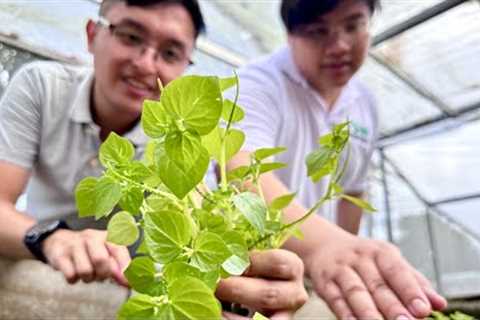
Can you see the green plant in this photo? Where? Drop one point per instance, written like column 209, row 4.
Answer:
column 194, row 236
column 457, row 315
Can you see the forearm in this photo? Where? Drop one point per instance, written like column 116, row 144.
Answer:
column 12, row 230
column 349, row 215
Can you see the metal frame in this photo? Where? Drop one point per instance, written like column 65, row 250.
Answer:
column 416, row 20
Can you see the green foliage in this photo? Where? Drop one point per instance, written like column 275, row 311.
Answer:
column 194, row 236
column 457, row 315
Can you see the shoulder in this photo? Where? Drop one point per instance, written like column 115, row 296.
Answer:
column 265, row 71
column 52, row 72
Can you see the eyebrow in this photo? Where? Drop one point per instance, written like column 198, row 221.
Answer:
column 140, row 27
column 355, row 16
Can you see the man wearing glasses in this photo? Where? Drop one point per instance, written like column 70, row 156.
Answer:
column 290, row 99
column 53, row 118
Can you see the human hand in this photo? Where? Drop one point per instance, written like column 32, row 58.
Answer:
column 86, row 255
column 369, row 279
column 273, row 285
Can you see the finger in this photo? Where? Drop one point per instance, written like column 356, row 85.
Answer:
column 282, row 315
column 121, row 260
column 275, row 264
column 232, row 316
column 356, row 294
column 385, row 299
column 336, row 302
column 65, row 265
column 437, row 301
column 259, row 293
column 82, row 264
column 398, row 274
column 100, row 259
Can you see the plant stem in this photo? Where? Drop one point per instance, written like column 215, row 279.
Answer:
column 149, row 189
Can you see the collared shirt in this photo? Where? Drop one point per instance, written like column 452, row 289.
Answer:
column 46, row 126
column 282, row 109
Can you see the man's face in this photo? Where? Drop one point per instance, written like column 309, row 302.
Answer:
column 140, row 45
column 329, row 51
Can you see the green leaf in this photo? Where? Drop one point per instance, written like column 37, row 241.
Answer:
column 227, row 83
column 141, row 275
column 319, row 163
column 259, row 316
column 182, row 164
column 267, row 167
column 177, row 270
column 182, row 148
column 235, row 265
column 132, row 200
column 194, row 102
column 264, row 153
column 155, row 121
column 359, row 202
column 238, row 173
column 213, row 143
column 253, row 208
column 282, row 202
column 122, row 229
column 233, row 142
column 166, row 234
column 190, row 298
column 116, row 150
column 97, row 197
column 209, row 251
column 210, row 222
column 139, row 306
column 107, row 194
column 84, row 197
column 238, row 114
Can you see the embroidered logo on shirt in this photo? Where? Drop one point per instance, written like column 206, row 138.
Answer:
column 359, row 131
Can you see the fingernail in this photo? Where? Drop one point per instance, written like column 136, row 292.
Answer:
column 402, row 317
column 420, row 307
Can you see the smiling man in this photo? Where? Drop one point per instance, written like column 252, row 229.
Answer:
column 53, row 118
column 291, row 98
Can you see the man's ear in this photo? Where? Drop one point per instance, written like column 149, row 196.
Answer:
column 91, row 33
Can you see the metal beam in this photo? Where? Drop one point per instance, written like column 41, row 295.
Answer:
column 386, row 197
column 466, row 114
column 431, row 232
column 456, row 199
column 416, row 20
column 415, row 86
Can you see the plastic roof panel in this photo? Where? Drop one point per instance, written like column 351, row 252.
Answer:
column 398, row 104
column 442, row 54
column 442, row 166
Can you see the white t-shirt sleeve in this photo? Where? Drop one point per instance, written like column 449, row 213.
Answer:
column 20, row 119
column 262, row 116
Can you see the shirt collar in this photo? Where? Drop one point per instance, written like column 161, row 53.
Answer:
column 81, row 112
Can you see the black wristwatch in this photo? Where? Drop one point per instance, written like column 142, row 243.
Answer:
column 38, row 233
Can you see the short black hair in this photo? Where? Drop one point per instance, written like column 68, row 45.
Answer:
column 296, row 13
column 191, row 6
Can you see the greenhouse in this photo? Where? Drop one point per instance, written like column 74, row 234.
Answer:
column 422, row 68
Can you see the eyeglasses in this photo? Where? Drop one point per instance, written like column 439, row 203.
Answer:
column 138, row 43
column 324, row 33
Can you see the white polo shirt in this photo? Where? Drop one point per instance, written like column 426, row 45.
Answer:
column 283, row 110
column 46, row 126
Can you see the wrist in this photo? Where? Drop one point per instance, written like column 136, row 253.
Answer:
column 36, row 236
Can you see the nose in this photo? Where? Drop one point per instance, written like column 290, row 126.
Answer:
column 146, row 61
column 339, row 43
